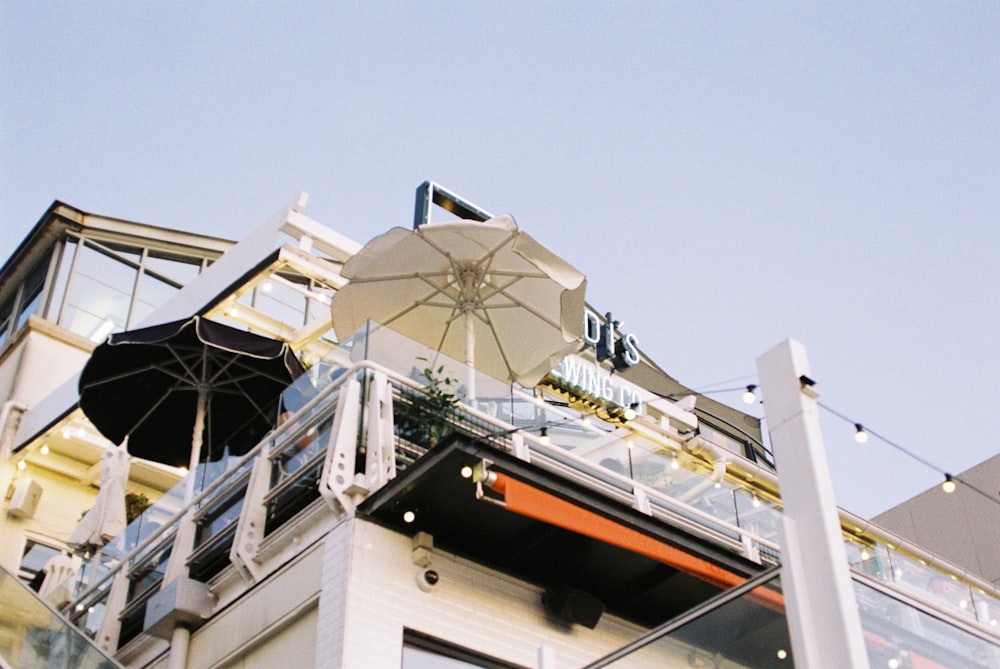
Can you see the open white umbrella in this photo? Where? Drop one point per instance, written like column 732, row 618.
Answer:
column 484, row 292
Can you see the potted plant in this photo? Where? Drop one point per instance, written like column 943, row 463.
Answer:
column 424, row 417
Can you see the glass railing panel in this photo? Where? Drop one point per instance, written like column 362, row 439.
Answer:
column 929, row 584
column 748, row 630
column 900, row 635
column 34, row 636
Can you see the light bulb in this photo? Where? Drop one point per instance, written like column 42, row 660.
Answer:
column 749, row 396
column 756, row 501
column 466, row 472
column 674, row 464
column 21, row 465
column 860, row 435
column 409, row 516
column 543, row 437
column 631, row 412
column 44, row 449
column 782, row 653
column 266, row 286
column 949, row 484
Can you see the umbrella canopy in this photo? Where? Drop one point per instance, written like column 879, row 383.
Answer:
column 183, row 391
column 484, row 292
column 106, row 518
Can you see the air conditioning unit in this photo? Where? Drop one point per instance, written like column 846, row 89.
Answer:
column 24, row 500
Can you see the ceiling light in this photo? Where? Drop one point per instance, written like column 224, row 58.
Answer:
column 266, row 286
column 409, row 516
column 749, row 396
column 949, row 484
column 466, row 472
column 21, row 465
column 860, row 435
column 782, row 653
column 44, row 450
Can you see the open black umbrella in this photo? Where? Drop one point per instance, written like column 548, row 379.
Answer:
column 184, row 391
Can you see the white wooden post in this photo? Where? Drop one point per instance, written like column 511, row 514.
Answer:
column 822, row 611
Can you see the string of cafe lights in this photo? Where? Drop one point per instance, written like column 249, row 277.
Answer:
column 861, row 436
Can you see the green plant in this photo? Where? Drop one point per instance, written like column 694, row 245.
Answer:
column 425, row 416
column 135, row 504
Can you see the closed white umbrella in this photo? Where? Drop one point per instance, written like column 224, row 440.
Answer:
column 483, row 292
column 106, row 518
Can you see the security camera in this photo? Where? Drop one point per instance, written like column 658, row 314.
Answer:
column 427, row 579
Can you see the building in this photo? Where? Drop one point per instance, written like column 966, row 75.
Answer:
column 591, row 519
column 961, row 527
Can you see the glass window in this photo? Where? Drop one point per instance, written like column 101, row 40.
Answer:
column 421, row 652
column 99, row 295
column 33, row 560
column 58, row 289
column 151, row 294
column 31, row 293
column 6, row 316
column 179, row 269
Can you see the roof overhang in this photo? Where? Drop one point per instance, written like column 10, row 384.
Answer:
column 631, row 585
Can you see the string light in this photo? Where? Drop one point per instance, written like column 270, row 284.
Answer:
column 409, row 516
column 949, row 484
column 749, row 396
column 860, row 435
column 466, row 472
column 543, row 436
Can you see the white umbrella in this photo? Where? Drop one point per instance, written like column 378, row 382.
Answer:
column 484, row 292
column 106, row 518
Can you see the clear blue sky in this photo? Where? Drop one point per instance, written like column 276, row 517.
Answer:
column 727, row 175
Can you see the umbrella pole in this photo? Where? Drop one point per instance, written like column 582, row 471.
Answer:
column 196, row 441
column 470, row 355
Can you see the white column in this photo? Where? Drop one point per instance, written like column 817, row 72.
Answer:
column 822, row 612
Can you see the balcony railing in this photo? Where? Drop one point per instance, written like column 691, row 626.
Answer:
column 348, row 436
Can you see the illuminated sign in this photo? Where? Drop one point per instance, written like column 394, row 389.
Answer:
column 587, row 383
column 623, row 351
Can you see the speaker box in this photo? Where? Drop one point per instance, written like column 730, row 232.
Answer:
column 24, row 499
column 573, row 606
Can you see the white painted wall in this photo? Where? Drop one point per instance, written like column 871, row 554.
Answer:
column 370, row 595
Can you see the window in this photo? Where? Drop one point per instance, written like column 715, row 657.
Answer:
column 33, row 560
column 26, row 301
column 424, row 652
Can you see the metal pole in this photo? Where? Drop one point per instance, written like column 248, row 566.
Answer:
column 822, row 612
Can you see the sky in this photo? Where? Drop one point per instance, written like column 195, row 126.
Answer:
column 728, row 175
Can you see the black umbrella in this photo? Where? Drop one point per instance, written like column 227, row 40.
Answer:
column 183, row 391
